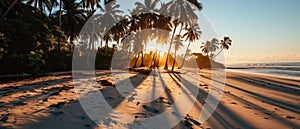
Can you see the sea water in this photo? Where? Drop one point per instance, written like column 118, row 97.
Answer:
column 281, row 69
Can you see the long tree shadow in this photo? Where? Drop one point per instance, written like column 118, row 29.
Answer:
column 287, row 106
column 221, row 111
column 265, row 99
column 9, row 90
column 48, row 92
column 268, row 85
column 70, row 115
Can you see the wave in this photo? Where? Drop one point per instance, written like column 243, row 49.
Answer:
column 284, row 69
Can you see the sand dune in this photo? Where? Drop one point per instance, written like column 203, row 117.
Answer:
column 247, row 101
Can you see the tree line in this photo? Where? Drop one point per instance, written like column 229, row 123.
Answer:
column 40, row 35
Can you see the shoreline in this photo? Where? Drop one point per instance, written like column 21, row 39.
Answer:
column 263, row 74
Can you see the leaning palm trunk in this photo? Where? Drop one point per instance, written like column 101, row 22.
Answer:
column 153, row 60
column 9, row 8
column 142, row 64
column 174, row 61
column 184, row 56
column 60, row 13
column 166, row 64
column 218, row 53
column 35, row 4
column 136, row 60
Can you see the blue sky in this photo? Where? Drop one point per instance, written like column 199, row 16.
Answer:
column 262, row 30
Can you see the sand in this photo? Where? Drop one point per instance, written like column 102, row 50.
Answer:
column 247, row 101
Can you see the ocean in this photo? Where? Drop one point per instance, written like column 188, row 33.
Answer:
column 282, row 69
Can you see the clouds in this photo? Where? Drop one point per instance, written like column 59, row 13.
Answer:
column 249, row 58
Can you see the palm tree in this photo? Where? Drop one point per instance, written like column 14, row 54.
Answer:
column 180, row 10
column 41, row 4
column 149, row 6
column 60, row 13
column 192, row 34
column 209, row 47
column 109, row 18
column 120, row 30
column 73, row 18
column 54, row 4
column 177, row 44
column 10, row 7
column 176, row 24
column 91, row 4
column 225, row 44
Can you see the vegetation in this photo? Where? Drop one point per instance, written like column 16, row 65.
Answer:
column 40, row 35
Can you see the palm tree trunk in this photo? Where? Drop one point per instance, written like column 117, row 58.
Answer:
column 142, row 64
column 219, row 53
column 136, row 59
column 174, row 60
column 60, row 13
column 106, row 45
column 101, row 43
column 184, row 55
column 50, row 11
column 9, row 8
column 152, row 63
column 157, row 60
column 166, row 64
column 35, row 4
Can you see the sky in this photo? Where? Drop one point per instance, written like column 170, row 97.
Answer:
column 261, row 30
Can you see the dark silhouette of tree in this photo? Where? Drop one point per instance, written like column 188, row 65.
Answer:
column 108, row 19
column 41, row 4
column 177, row 44
column 209, row 47
column 225, row 44
column 90, row 4
column 192, row 34
column 73, row 18
column 183, row 14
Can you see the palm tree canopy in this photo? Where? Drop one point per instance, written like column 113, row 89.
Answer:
column 210, row 46
column 41, row 4
column 226, row 43
column 91, row 4
column 180, row 9
column 109, row 17
column 73, row 18
column 193, row 33
column 149, row 6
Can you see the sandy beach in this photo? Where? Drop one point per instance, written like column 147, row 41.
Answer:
column 247, row 101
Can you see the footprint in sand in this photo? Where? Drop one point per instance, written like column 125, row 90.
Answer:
column 268, row 113
column 289, row 117
column 57, row 113
column 150, row 109
column 19, row 103
column 58, row 104
column 108, row 98
column 233, row 103
column 247, row 107
column 4, row 117
column 140, row 115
